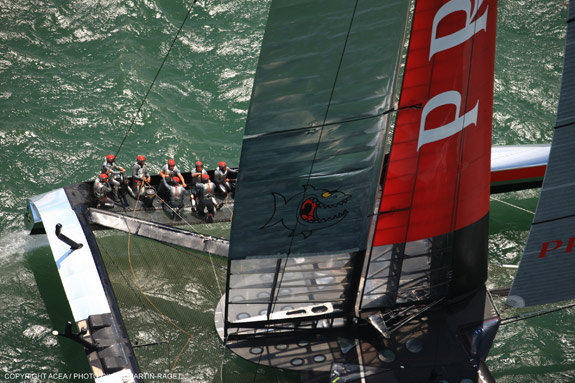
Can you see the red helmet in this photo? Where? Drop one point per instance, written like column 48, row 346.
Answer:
column 176, row 180
column 198, row 163
column 205, row 177
column 171, row 162
column 110, row 158
column 103, row 177
column 141, row 159
column 222, row 164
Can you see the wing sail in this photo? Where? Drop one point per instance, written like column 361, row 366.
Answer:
column 312, row 157
column 430, row 238
column 305, row 289
column 545, row 273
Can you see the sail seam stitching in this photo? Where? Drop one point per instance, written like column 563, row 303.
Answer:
column 389, row 111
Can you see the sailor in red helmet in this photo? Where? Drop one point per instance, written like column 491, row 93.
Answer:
column 115, row 175
column 175, row 201
column 140, row 174
column 170, row 170
column 206, row 200
column 221, row 178
column 101, row 190
column 197, row 173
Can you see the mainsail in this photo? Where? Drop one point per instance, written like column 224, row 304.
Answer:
column 312, row 155
column 435, row 201
column 545, row 272
column 318, row 245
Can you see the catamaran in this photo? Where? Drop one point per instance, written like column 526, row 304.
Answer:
column 358, row 245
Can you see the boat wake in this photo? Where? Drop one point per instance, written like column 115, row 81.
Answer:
column 13, row 245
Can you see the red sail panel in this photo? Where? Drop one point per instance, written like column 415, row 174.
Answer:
column 438, row 174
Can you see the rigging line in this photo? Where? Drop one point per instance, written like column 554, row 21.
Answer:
column 162, row 201
column 512, row 205
column 175, row 212
column 137, row 282
column 257, row 369
column 146, row 296
column 192, row 229
column 222, row 368
column 534, row 314
column 129, row 130
column 140, row 287
column 130, row 286
column 215, row 274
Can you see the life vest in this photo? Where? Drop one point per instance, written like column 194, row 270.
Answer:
column 139, row 172
column 176, row 195
column 220, row 176
column 100, row 190
column 208, row 190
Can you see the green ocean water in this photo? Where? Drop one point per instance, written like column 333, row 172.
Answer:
column 72, row 77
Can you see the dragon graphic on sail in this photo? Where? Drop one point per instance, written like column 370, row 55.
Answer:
column 308, row 211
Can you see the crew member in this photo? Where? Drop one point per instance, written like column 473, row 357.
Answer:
column 221, row 178
column 176, row 193
column 206, row 200
column 115, row 175
column 140, row 174
column 101, row 190
column 168, row 172
column 198, row 172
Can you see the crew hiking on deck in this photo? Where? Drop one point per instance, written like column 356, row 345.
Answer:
column 140, row 175
column 206, row 200
column 116, row 176
column 171, row 192
column 221, row 178
column 101, row 190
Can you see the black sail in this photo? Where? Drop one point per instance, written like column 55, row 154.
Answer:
column 312, row 156
column 545, row 273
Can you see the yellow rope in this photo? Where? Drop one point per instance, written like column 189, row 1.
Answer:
column 139, row 286
column 137, row 282
column 134, row 273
